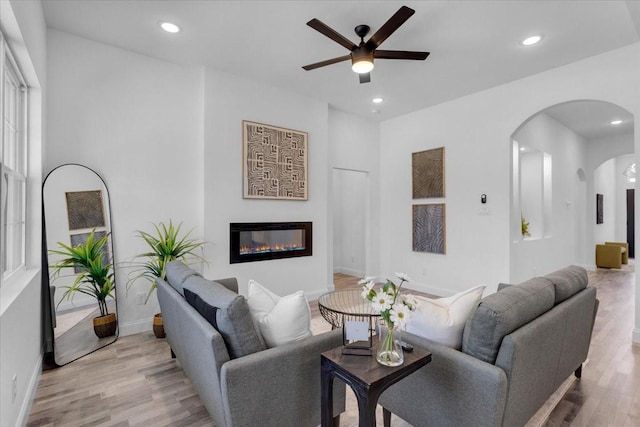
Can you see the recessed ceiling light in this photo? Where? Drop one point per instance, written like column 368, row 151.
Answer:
column 522, row 149
column 616, row 122
column 531, row 40
column 169, row 27
column 377, row 100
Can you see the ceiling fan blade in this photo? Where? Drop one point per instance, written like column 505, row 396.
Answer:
column 331, row 33
column 389, row 27
column 327, row 62
column 400, row 54
column 365, row 77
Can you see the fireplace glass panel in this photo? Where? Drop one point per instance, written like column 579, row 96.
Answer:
column 255, row 242
column 262, row 241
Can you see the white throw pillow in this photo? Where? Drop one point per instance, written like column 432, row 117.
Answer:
column 280, row 319
column 442, row 319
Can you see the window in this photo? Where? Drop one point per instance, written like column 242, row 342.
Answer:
column 13, row 161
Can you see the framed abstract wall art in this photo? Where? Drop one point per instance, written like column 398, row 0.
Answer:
column 429, row 228
column 274, row 162
column 427, row 169
column 599, row 209
column 85, row 209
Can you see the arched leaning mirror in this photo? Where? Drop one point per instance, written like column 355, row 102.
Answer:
column 79, row 256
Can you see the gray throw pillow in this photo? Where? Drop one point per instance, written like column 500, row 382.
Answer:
column 568, row 281
column 232, row 317
column 177, row 272
column 503, row 312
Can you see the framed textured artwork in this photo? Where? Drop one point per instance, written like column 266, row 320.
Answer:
column 85, row 209
column 427, row 168
column 274, row 162
column 429, row 228
column 599, row 209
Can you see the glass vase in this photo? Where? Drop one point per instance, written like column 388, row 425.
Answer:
column 389, row 345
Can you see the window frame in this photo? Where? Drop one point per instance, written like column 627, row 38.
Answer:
column 11, row 169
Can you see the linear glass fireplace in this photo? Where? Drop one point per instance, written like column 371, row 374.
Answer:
column 261, row 241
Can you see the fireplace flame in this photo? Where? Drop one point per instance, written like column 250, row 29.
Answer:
column 248, row 250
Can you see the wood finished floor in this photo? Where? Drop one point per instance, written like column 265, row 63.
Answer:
column 134, row 382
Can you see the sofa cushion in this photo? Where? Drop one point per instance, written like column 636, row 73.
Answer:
column 442, row 319
column 281, row 319
column 228, row 312
column 177, row 272
column 503, row 312
column 568, row 281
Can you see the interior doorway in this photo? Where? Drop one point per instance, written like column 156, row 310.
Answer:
column 631, row 227
column 351, row 219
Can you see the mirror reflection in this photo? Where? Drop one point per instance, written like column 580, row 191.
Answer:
column 80, row 262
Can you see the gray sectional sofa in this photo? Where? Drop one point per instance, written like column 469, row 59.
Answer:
column 240, row 381
column 519, row 345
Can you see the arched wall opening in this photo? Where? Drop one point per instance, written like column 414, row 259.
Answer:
column 554, row 157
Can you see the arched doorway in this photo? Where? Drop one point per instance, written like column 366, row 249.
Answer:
column 554, row 154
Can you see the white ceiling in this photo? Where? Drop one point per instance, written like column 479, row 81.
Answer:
column 474, row 45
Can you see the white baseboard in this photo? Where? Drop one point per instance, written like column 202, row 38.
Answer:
column 136, row 327
column 349, row 271
column 635, row 336
column 30, row 395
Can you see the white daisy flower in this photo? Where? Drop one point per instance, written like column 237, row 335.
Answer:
column 382, row 301
column 403, row 276
column 366, row 289
column 410, row 301
column 366, row 280
column 400, row 315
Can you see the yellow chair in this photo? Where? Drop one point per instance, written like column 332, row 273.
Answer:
column 612, row 254
column 625, row 250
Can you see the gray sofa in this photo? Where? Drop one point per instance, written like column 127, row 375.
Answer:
column 240, row 381
column 519, row 345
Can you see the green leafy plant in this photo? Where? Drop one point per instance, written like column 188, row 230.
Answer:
column 166, row 244
column 525, row 227
column 94, row 275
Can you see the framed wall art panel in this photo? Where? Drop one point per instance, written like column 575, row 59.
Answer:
column 599, row 209
column 429, row 228
column 85, row 209
column 274, row 162
column 427, row 169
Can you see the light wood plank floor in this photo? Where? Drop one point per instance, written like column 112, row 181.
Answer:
column 134, row 382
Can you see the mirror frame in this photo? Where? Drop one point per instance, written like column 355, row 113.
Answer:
column 48, row 304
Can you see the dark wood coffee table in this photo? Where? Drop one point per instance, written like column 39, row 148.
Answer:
column 367, row 378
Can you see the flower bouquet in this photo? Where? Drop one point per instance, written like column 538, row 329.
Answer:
column 395, row 312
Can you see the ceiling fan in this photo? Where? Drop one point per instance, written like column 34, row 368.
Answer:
column 362, row 55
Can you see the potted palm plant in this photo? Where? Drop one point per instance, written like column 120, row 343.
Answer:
column 93, row 276
column 166, row 244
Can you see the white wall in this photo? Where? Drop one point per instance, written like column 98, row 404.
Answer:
column 598, row 152
column 476, row 131
column 605, row 183
column 557, row 243
column 21, row 341
column 137, row 122
column 228, row 100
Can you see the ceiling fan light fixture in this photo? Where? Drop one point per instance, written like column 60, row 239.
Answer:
column 361, row 61
column 362, row 66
